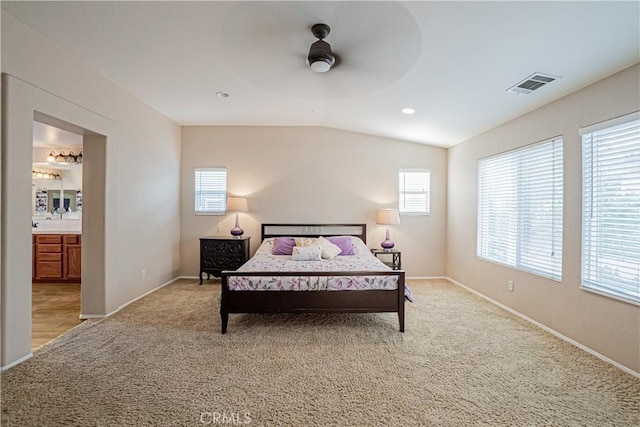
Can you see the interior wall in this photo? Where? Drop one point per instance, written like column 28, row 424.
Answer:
column 314, row 175
column 142, row 177
column 608, row 326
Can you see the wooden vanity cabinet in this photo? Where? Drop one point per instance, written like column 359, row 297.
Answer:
column 71, row 257
column 48, row 257
column 56, row 258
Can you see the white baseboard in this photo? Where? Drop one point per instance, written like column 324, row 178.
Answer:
column 548, row 329
column 92, row 316
column 17, row 362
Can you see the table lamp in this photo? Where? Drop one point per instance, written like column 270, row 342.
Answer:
column 237, row 204
column 388, row 217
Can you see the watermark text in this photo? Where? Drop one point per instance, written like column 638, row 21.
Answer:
column 225, row 418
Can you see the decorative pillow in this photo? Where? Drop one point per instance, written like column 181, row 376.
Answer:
column 283, row 245
column 344, row 243
column 306, row 253
column 329, row 250
column 306, row 241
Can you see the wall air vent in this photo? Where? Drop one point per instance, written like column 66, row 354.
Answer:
column 533, row 82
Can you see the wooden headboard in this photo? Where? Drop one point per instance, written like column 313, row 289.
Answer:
column 314, row 230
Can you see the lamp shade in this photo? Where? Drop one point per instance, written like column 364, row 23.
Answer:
column 237, row 204
column 388, row 217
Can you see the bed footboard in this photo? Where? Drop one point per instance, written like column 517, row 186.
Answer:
column 325, row 301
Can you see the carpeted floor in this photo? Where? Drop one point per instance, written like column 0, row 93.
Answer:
column 462, row 362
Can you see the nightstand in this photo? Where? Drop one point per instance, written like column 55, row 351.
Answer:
column 218, row 254
column 392, row 258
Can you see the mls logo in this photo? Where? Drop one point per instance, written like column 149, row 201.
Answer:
column 225, row 418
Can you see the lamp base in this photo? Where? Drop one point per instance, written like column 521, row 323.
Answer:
column 237, row 232
column 387, row 245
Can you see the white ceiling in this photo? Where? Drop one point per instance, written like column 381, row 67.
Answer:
column 450, row 61
column 45, row 135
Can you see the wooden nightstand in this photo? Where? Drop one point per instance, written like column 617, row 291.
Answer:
column 392, row 258
column 218, row 254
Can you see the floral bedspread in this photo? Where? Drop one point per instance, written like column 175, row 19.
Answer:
column 363, row 260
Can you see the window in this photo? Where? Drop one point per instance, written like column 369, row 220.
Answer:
column 211, row 191
column 414, row 192
column 520, row 208
column 611, row 208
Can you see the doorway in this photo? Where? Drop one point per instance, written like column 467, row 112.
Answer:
column 57, row 205
column 22, row 104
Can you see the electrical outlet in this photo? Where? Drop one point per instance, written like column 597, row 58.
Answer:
column 510, row 285
column 143, row 274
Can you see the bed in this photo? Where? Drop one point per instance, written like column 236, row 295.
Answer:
column 270, row 283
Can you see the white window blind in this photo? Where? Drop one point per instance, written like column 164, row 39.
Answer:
column 210, row 191
column 611, row 210
column 415, row 192
column 520, row 208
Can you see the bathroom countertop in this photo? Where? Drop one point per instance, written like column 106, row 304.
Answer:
column 50, row 231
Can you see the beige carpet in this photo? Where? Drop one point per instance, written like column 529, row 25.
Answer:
column 462, row 362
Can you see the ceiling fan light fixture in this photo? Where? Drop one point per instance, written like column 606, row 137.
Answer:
column 320, row 66
column 320, row 57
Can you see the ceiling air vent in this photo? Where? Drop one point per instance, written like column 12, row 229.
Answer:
column 531, row 83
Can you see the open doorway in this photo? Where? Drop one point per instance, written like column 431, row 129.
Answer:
column 22, row 103
column 57, row 204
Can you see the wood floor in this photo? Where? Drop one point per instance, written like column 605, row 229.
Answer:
column 55, row 310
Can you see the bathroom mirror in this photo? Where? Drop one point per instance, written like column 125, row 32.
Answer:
column 49, row 195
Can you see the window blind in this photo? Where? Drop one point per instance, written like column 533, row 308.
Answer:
column 611, row 210
column 210, row 191
column 520, row 197
column 415, row 188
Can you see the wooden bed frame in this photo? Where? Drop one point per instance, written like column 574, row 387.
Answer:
column 352, row 301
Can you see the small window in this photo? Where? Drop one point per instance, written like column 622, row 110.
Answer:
column 414, row 192
column 210, row 191
column 611, row 208
column 520, row 208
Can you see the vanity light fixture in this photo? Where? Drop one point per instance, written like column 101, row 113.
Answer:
column 69, row 159
column 408, row 110
column 39, row 174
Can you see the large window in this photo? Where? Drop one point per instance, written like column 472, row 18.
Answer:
column 611, row 208
column 414, row 191
column 520, row 208
column 210, row 191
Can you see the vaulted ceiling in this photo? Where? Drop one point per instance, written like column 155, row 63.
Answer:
column 452, row 62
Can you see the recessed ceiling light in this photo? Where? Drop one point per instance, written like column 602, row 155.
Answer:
column 222, row 94
column 408, row 110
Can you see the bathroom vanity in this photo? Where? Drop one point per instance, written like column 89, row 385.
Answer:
column 56, row 257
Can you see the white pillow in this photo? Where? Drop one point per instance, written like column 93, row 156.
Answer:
column 329, row 250
column 306, row 253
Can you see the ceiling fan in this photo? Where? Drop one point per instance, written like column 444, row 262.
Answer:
column 320, row 57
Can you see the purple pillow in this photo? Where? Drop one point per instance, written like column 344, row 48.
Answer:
column 343, row 243
column 283, row 245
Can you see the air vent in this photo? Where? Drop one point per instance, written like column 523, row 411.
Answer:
column 533, row 82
